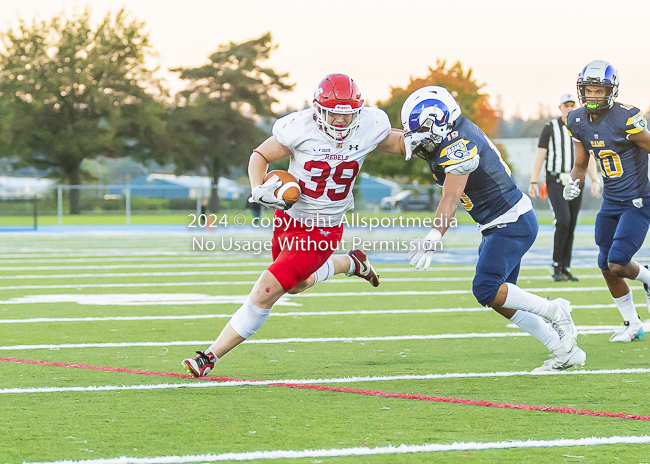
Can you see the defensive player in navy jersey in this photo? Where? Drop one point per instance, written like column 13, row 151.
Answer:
column 617, row 136
column 470, row 169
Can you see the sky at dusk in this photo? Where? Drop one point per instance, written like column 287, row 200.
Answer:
column 526, row 53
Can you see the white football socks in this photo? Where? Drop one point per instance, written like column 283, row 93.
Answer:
column 644, row 275
column 353, row 267
column 324, row 272
column 626, row 307
column 522, row 300
column 538, row 328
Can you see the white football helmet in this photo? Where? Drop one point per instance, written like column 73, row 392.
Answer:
column 428, row 116
column 602, row 74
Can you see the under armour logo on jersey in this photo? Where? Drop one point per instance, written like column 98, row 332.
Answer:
column 353, row 147
column 325, row 232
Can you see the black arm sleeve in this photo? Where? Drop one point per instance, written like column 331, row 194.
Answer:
column 545, row 137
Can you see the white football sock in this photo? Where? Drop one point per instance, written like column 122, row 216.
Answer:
column 248, row 318
column 353, row 267
column 324, row 272
column 626, row 307
column 538, row 328
column 644, row 275
column 522, row 300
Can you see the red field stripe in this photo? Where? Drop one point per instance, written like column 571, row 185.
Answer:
column 489, row 404
column 406, row 396
column 111, row 369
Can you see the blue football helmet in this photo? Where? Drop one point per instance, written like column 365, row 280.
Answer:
column 602, row 74
column 428, row 116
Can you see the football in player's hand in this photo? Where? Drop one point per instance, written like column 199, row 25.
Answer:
column 289, row 191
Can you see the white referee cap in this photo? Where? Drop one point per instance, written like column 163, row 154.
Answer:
column 568, row 97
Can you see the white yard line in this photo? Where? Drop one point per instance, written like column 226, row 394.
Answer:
column 144, row 299
column 257, row 272
column 588, row 330
column 132, row 266
column 335, row 380
column 365, row 451
column 217, row 316
column 130, row 257
column 251, row 282
column 139, row 299
column 275, row 314
column 128, row 274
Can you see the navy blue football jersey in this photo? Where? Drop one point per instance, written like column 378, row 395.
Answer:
column 490, row 189
column 623, row 163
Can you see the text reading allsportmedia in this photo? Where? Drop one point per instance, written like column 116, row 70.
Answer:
column 318, row 221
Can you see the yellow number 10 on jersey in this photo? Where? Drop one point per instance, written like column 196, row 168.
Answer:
column 610, row 162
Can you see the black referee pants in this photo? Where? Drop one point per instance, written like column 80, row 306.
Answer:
column 566, row 218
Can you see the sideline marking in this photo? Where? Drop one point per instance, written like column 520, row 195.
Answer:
column 379, row 393
column 365, row 451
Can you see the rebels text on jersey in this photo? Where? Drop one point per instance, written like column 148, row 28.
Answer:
column 623, row 163
column 325, row 169
column 490, row 189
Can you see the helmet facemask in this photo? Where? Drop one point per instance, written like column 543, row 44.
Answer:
column 597, row 104
column 337, row 133
column 430, row 121
column 598, row 74
column 337, row 94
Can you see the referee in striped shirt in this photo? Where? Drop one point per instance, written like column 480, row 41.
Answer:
column 556, row 148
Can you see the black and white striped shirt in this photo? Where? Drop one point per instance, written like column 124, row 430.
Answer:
column 556, row 139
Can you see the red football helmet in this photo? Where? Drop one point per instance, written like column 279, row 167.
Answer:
column 337, row 94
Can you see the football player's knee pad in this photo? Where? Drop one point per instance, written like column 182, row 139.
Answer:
column 621, row 252
column 603, row 257
column 248, row 318
column 485, row 289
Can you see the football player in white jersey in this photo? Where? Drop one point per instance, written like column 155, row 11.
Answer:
column 326, row 146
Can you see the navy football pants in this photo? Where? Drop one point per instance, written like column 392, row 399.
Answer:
column 620, row 231
column 500, row 253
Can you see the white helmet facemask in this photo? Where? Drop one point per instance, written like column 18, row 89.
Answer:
column 337, row 133
column 428, row 116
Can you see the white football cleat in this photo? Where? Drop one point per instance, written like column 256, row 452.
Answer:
column 563, row 324
column 628, row 332
column 562, row 362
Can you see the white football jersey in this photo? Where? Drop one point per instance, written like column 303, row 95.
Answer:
column 326, row 170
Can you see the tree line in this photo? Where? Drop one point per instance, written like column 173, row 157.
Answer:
column 71, row 90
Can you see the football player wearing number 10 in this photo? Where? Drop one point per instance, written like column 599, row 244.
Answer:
column 616, row 135
column 470, row 169
column 326, row 146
